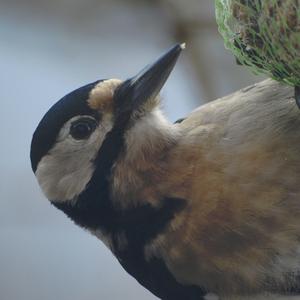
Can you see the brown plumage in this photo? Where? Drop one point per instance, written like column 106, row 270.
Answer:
column 206, row 205
column 236, row 162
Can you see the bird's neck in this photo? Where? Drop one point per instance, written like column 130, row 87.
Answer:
column 143, row 162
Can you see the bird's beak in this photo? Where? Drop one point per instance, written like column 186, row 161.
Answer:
column 146, row 85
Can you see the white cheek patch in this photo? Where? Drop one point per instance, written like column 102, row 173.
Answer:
column 65, row 171
column 58, row 177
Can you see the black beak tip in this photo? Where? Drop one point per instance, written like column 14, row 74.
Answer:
column 181, row 46
column 147, row 83
column 169, row 59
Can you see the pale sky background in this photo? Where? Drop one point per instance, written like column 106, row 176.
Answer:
column 47, row 49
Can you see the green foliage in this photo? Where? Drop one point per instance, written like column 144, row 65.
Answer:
column 264, row 35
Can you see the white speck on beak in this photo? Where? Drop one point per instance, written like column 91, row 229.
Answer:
column 183, row 46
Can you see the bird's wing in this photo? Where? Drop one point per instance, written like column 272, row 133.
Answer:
column 240, row 158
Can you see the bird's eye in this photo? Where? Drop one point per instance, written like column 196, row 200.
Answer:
column 82, row 128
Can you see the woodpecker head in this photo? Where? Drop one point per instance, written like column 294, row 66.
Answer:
column 85, row 131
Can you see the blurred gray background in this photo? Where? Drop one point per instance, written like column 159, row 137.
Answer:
column 49, row 48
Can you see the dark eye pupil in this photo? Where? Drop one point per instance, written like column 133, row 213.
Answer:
column 82, row 129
